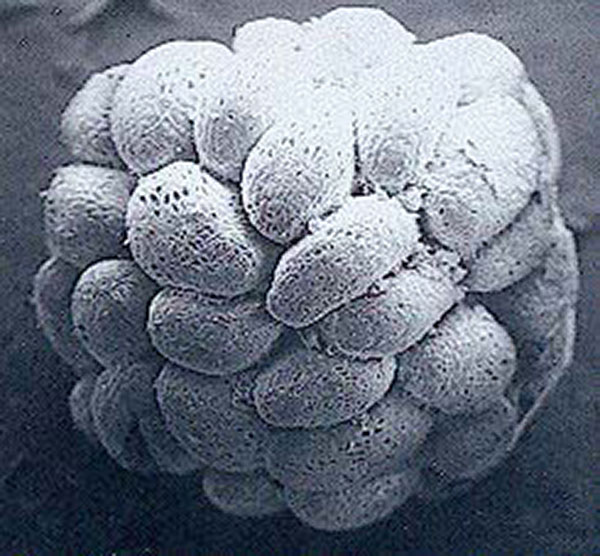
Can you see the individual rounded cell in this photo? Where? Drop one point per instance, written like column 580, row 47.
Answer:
column 213, row 418
column 301, row 168
column 531, row 307
column 80, row 407
column 84, row 213
column 378, row 442
column 186, row 229
column 52, row 289
column 243, row 494
column 356, row 506
column 109, row 306
column 467, row 446
column 398, row 311
column 480, row 65
column 154, row 105
column 481, row 176
column 306, row 388
column 513, row 253
column 214, row 336
column 347, row 252
column 463, row 365
column 85, row 123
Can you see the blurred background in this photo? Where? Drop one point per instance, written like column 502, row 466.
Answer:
column 59, row 496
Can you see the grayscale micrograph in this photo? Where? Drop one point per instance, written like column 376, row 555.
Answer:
column 313, row 278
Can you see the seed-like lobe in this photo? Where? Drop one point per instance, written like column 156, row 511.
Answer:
column 356, row 506
column 110, row 307
column 300, row 169
column 213, row 417
column 84, row 213
column 401, row 309
column 338, row 262
column 214, row 336
column 463, row 365
column 305, row 388
column 187, row 230
column 378, row 442
column 85, row 123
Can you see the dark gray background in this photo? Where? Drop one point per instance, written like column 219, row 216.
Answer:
column 59, row 497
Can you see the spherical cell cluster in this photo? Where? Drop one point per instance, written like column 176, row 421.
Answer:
column 325, row 268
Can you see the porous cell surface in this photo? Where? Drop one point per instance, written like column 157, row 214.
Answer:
column 376, row 442
column 213, row 417
column 153, row 106
column 398, row 312
column 348, row 251
column 465, row 446
column 211, row 335
column 186, row 229
column 109, row 309
column 85, row 124
column 463, row 365
column 84, row 213
column 326, row 266
column 306, row 388
column 356, row 506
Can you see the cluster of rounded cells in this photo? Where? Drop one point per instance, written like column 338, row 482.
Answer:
column 325, row 268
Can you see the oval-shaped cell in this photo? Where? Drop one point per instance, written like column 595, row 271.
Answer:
column 213, row 417
column 80, row 407
column 84, row 213
column 482, row 174
column 305, row 388
column 380, row 441
column 347, row 252
column 85, row 123
column 252, row 494
column 401, row 112
column 214, row 336
column 513, row 253
column 154, row 105
column 398, row 312
column 478, row 64
column 119, row 398
column 300, row 169
column 185, row 229
column 52, row 289
column 356, row 506
column 463, row 365
column 530, row 308
column 109, row 306
column 466, row 446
